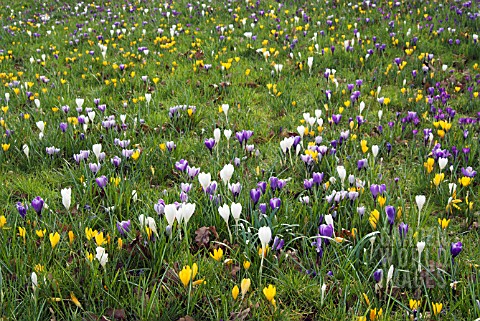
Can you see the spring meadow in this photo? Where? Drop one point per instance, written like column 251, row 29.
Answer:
column 239, row 160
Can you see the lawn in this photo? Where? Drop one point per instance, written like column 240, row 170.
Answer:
column 239, row 160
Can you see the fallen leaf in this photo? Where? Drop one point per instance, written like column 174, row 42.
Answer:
column 202, row 235
column 117, row 314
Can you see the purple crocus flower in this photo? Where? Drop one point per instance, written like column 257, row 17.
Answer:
column 390, row 210
column 22, row 210
column 281, row 184
column 123, row 227
column 378, row 275
column 278, row 244
column 403, row 230
column 336, row 118
column 171, row 146
column 185, row 187
column 239, row 137
column 469, row 172
column 317, row 178
column 102, row 181
column 192, row 171
column 361, row 211
column 116, row 161
column 318, row 246
column 308, row 183
column 246, row 135
column 63, row 127
column 326, row 231
column 273, row 183
column 37, row 204
column 362, row 164
column 375, row 190
column 263, row 208
column 181, row 165
column 183, row 197
column 94, row 167
column 210, row 143
column 275, row 203
column 159, row 207
column 262, row 186
column 255, row 194
column 212, row 188
column 455, row 249
column 235, row 189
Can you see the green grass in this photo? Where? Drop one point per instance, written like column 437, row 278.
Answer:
column 141, row 280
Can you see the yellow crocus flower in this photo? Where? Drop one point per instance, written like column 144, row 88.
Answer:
column 363, row 144
column 217, row 254
column 437, row 308
column 414, row 304
column 270, row 293
column 54, row 239
column 465, row 181
column 438, row 179
column 374, row 217
column 443, row 223
column 40, row 233
column 429, row 164
column 235, row 292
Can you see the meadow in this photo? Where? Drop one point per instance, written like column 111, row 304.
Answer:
column 239, row 160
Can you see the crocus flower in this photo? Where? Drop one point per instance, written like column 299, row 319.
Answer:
column 468, row 172
column 255, row 194
column 317, row 178
column 54, row 239
column 263, row 208
column 116, row 161
column 378, row 275
column 123, row 227
column 226, row 173
column 270, row 293
column 362, row 164
column 66, row 197
column 275, row 203
column 262, row 186
column 181, row 165
column 22, row 209
column 224, row 212
column 235, row 189
column 210, row 143
column 170, row 213
column 326, row 230
column 204, row 180
column 101, row 256
column 265, row 236
column 402, row 230
column 97, row 149
column 159, row 207
column 455, row 249
column 37, row 205
column 390, row 211
column 278, row 243
column 217, row 255
column 101, row 181
column 245, row 286
column 94, row 167
column 236, row 210
column 192, row 171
